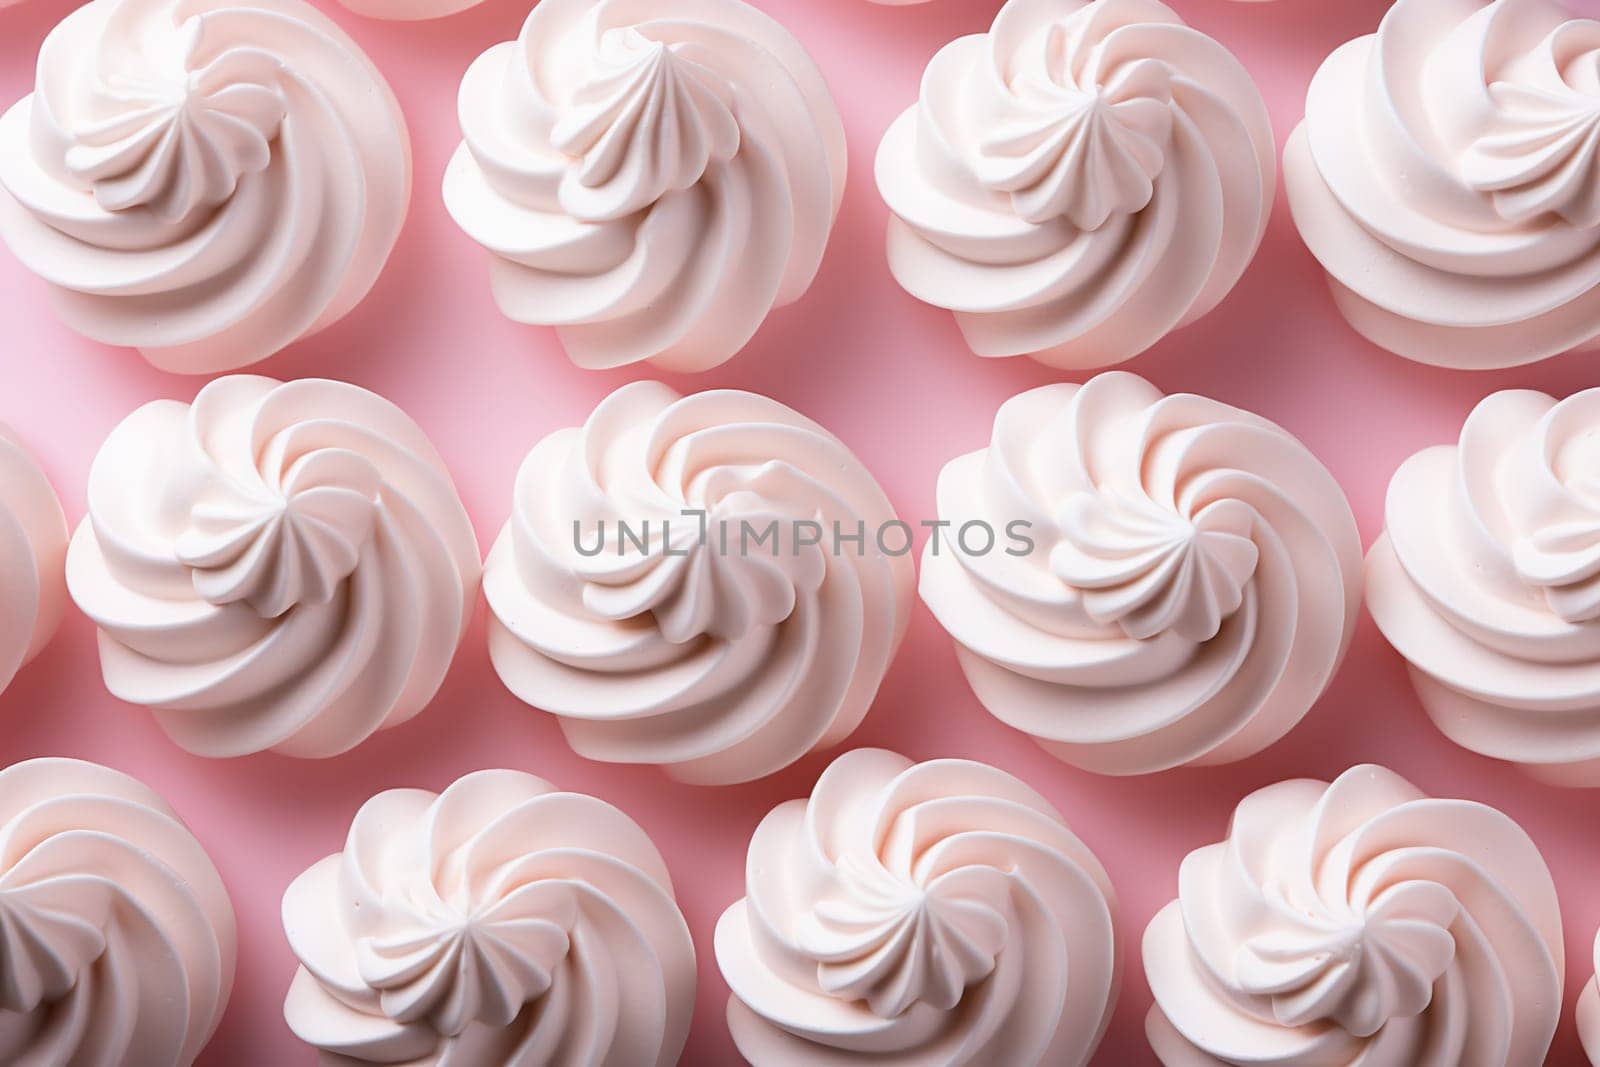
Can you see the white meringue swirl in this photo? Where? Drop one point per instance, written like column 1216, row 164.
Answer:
column 117, row 939
column 1447, row 176
column 204, row 181
column 1361, row 922
column 1487, row 580
column 277, row 566
column 33, row 546
column 652, row 177
column 498, row 922
column 717, row 646
column 933, row 914
column 1194, row 579
column 1078, row 182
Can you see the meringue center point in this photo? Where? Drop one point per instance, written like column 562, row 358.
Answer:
column 1149, row 569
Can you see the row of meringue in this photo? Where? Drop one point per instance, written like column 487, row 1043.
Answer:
column 288, row 566
column 652, row 180
column 716, row 585
column 939, row 913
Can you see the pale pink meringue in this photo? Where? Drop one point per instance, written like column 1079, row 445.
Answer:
column 1358, row 923
column 408, row 10
column 117, row 939
column 33, row 547
column 277, row 566
column 1078, row 182
column 922, row 915
column 206, row 181
column 706, row 645
column 1487, row 580
column 1193, row 581
column 1446, row 177
column 500, row 922
column 1589, row 1012
column 652, row 177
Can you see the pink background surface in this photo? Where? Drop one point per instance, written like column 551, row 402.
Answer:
column 891, row 377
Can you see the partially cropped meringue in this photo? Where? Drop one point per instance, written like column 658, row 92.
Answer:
column 1358, row 923
column 408, row 10
column 651, row 177
column 33, row 545
column 1447, row 176
column 277, row 566
column 936, row 914
column 117, row 940
column 1487, row 580
column 1589, row 1013
column 1078, row 182
column 1181, row 580
column 707, row 637
column 498, row 922
column 207, row 182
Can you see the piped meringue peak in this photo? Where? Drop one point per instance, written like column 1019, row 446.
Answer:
column 277, row 566
column 1361, row 922
column 934, row 913
column 117, row 939
column 498, row 922
column 1078, row 182
column 33, row 545
column 1193, row 583
column 1447, row 176
column 651, row 177
column 202, row 181
column 646, row 593
column 1487, row 580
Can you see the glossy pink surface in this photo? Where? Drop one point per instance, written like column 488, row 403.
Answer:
column 890, row 376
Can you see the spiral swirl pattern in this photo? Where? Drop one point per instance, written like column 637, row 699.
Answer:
column 652, row 177
column 1487, row 580
column 205, row 181
column 117, row 939
column 1446, row 176
column 1360, row 922
column 281, row 566
column 936, row 913
column 710, row 639
column 33, row 543
column 1078, row 182
column 1190, row 583
column 498, row 922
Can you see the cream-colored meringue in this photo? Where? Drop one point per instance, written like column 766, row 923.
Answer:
column 278, row 565
column 117, row 939
column 712, row 643
column 205, row 181
column 924, row 915
column 651, row 177
column 1447, row 176
column 1361, row 922
column 498, row 922
column 1078, row 182
column 1193, row 581
column 1487, row 580
column 33, row 544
